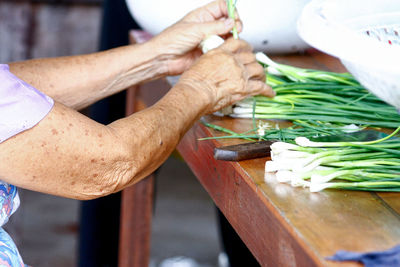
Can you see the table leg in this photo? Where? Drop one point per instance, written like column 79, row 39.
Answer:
column 136, row 211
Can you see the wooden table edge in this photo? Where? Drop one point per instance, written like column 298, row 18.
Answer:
column 308, row 256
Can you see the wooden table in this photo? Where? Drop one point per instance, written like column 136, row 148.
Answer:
column 281, row 225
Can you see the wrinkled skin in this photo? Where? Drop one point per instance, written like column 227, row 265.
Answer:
column 181, row 41
column 227, row 74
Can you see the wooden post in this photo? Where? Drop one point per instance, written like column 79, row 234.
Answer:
column 135, row 231
column 137, row 200
column 136, row 208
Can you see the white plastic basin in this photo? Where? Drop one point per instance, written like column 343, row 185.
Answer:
column 269, row 25
column 364, row 34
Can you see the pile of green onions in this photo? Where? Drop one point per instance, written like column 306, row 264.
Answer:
column 366, row 166
column 268, row 131
column 321, row 103
column 313, row 95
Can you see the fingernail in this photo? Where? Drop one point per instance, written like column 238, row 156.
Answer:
column 229, row 22
column 239, row 27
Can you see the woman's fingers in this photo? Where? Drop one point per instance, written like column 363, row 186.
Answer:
column 217, row 9
column 227, row 74
column 239, row 25
column 221, row 27
column 214, row 10
column 235, row 46
column 255, row 71
column 257, row 87
column 256, row 84
column 246, row 58
column 217, row 27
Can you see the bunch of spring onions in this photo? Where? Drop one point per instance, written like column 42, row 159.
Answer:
column 313, row 95
column 367, row 166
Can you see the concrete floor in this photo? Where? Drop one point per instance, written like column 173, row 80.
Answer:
column 45, row 228
column 184, row 222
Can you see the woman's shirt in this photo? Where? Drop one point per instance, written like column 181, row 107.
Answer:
column 21, row 108
column 21, row 105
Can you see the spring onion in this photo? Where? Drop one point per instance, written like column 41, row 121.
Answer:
column 367, row 166
column 313, row 95
column 270, row 131
column 211, row 42
column 303, row 75
column 231, row 4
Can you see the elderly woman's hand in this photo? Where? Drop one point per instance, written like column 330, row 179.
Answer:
column 226, row 75
column 178, row 45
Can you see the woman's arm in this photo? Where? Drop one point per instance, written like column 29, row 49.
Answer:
column 78, row 81
column 69, row 155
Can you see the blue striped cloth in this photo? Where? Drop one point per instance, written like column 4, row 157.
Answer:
column 386, row 258
column 9, row 203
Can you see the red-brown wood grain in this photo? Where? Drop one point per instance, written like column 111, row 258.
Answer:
column 135, row 230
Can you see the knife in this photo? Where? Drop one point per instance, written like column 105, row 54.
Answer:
column 261, row 149
column 243, row 151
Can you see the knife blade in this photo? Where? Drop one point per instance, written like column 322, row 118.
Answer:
column 243, row 151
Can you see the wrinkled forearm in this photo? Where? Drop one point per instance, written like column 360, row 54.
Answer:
column 78, row 81
column 69, row 155
column 156, row 131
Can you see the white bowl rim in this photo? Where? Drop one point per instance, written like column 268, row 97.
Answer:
column 322, row 33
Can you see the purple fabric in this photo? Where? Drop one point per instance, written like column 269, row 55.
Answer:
column 21, row 105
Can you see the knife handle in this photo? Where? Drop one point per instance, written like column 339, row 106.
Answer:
column 243, row 151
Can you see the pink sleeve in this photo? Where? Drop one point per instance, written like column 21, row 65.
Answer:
column 21, row 105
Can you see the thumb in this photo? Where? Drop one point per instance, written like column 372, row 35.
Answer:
column 218, row 27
